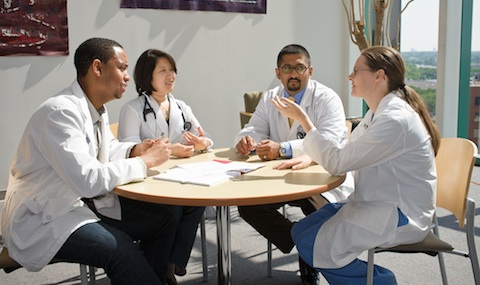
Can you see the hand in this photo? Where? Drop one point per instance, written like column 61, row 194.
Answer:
column 268, row 150
column 198, row 142
column 157, row 154
column 288, row 108
column 181, row 150
column 299, row 162
column 245, row 146
column 140, row 148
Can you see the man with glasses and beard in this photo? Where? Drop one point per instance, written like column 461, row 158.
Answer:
column 274, row 136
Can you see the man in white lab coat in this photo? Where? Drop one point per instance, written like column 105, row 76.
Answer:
column 275, row 136
column 67, row 158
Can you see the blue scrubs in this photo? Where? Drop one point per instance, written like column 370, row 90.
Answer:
column 304, row 233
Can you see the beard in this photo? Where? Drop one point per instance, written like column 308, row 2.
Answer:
column 293, row 85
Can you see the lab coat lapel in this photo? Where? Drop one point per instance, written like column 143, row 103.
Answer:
column 176, row 122
column 158, row 126
column 305, row 104
column 104, row 147
column 89, row 131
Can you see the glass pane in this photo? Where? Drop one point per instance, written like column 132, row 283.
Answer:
column 474, row 120
column 418, row 45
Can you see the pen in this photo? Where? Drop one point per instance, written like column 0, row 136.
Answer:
column 222, row 160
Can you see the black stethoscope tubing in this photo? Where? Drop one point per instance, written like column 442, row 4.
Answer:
column 147, row 109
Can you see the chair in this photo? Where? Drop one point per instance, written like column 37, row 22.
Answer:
column 354, row 121
column 455, row 161
column 114, row 129
column 251, row 100
column 8, row 264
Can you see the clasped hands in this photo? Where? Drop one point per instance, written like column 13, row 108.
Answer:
column 155, row 152
column 192, row 143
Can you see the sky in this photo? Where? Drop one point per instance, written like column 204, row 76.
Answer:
column 424, row 37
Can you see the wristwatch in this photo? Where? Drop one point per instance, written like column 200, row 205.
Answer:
column 282, row 152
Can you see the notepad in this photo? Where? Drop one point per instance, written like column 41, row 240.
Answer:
column 208, row 173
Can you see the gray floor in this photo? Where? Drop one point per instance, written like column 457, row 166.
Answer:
column 249, row 258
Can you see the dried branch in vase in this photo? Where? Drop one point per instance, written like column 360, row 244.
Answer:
column 358, row 27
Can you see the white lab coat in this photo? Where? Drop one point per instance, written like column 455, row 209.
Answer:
column 322, row 105
column 394, row 167
column 133, row 128
column 54, row 167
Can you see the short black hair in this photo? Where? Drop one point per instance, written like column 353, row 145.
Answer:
column 293, row 49
column 142, row 75
column 91, row 49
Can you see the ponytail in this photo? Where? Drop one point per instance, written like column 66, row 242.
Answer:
column 417, row 104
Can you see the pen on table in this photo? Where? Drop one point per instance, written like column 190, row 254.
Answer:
column 222, row 160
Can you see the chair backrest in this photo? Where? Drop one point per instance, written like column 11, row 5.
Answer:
column 455, row 161
column 114, row 129
column 251, row 100
column 349, row 127
column 354, row 121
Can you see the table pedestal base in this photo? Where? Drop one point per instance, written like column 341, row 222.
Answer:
column 224, row 249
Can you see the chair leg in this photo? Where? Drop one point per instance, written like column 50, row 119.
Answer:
column 83, row 274
column 269, row 248
column 441, row 261
column 204, row 248
column 472, row 251
column 87, row 277
column 269, row 259
column 92, row 275
column 370, row 265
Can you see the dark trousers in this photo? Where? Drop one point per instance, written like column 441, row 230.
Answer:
column 134, row 250
column 186, row 220
column 273, row 225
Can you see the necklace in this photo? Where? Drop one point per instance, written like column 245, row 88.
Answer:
column 166, row 109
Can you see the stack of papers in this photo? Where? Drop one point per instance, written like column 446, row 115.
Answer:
column 208, row 173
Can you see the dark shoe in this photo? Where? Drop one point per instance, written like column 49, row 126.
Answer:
column 180, row 271
column 172, row 281
column 308, row 274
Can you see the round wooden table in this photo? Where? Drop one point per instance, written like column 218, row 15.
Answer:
column 262, row 186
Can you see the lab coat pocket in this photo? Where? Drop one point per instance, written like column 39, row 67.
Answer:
column 26, row 221
column 55, row 208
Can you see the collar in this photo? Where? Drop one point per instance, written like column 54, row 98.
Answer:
column 95, row 114
column 298, row 97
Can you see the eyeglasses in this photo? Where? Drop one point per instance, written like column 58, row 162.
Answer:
column 287, row 69
column 357, row 70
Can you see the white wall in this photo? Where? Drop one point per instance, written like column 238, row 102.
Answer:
column 219, row 57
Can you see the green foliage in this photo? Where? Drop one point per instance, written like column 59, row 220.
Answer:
column 420, row 73
column 425, row 58
column 422, row 65
column 429, row 97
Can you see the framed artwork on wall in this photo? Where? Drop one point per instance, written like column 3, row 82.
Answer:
column 33, row 27
column 239, row 6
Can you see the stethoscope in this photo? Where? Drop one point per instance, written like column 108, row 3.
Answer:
column 300, row 135
column 147, row 109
